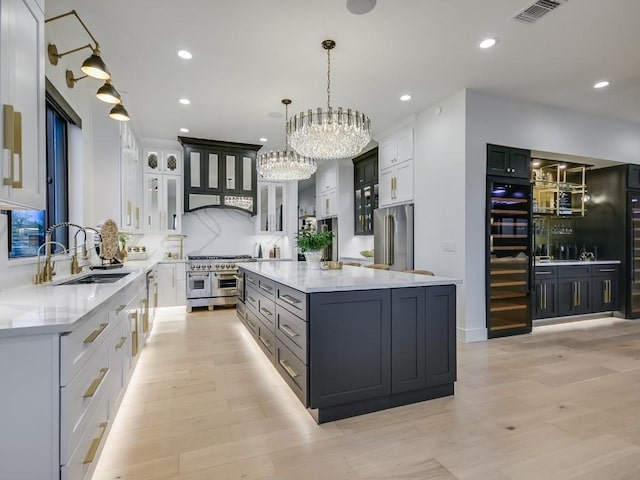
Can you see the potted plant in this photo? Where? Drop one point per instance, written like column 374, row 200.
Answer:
column 311, row 242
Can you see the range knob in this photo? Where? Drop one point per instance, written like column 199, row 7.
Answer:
column 232, row 265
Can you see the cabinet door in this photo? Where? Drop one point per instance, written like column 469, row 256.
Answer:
column 633, row 176
column 545, row 299
column 604, row 294
column 404, row 146
column 172, row 162
column 152, row 202
column 441, row 335
column 385, row 187
column 271, row 207
column 403, row 188
column 387, row 154
column 167, row 296
column 23, row 104
column 171, row 204
column 263, row 208
column 350, row 346
column 574, row 296
column 152, row 160
column 329, row 203
column 497, row 160
column 408, row 339
column 520, row 163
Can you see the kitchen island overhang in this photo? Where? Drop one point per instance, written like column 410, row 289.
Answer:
column 355, row 340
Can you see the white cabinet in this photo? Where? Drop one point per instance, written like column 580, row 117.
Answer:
column 131, row 216
column 22, row 96
column 171, row 284
column 162, row 160
column 271, row 217
column 162, row 203
column 327, row 190
column 328, row 205
column 396, row 164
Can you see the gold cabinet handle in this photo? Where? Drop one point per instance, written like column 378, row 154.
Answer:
column 120, row 308
column 121, row 343
column 8, row 139
column 541, row 297
column 96, row 333
column 545, row 295
column 265, row 342
column 292, row 373
column 17, row 146
column 129, row 212
column 96, row 383
column 288, row 331
column 579, row 293
column 137, row 217
column 95, row 443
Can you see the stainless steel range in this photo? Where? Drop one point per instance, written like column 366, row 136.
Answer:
column 212, row 280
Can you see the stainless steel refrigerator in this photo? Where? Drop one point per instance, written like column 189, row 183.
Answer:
column 393, row 237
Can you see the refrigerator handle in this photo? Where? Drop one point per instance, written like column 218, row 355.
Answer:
column 391, row 239
column 385, row 235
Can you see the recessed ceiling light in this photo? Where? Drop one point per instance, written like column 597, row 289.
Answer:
column 536, row 164
column 184, row 130
column 488, row 42
column 602, row 84
column 184, row 101
column 185, row 54
column 405, row 98
column 262, row 139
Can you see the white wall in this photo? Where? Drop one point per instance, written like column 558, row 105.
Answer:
column 440, row 193
column 506, row 121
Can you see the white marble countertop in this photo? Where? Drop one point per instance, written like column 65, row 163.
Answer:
column 297, row 276
column 52, row 308
column 574, row 262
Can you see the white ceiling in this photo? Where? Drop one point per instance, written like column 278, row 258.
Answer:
column 249, row 54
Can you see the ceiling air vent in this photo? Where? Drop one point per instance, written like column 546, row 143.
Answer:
column 537, row 10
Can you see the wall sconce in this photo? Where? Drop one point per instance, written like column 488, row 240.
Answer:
column 93, row 67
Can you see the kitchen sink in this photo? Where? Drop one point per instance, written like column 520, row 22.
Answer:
column 96, row 278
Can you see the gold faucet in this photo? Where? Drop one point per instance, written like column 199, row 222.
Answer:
column 75, row 267
column 48, row 270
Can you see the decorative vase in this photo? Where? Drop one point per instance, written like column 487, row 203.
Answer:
column 313, row 258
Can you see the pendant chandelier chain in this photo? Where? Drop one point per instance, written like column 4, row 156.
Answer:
column 328, row 78
column 286, row 129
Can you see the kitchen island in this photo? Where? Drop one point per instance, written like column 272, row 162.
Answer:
column 354, row 340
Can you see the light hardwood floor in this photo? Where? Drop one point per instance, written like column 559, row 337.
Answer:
column 204, row 404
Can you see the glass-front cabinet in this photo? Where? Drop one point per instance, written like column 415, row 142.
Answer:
column 271, row 199
column 219, row 174
column 509, row 257
column 162, row 203
column 365, row 184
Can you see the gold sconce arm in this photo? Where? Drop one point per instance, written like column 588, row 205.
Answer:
column 75, row 14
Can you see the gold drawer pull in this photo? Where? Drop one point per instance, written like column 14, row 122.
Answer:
column 290, row 300
column 286, row 329
column 120, row 308
column 266, row 343
column 96, row 333
column 292, row 373
column 95, row 443
column 121, row 342
column 96, row 383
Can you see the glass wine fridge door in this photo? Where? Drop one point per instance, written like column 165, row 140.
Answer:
column 509, row 256
column 634, row 294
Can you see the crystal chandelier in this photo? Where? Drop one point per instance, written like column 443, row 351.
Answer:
column 287, row 164
column 329, row 134
column 246, row 203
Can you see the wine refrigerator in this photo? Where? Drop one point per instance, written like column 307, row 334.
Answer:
column 509, row 264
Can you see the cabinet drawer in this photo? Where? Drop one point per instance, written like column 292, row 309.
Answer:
column 293, row 371
column 542, row 273
column 604, row 270
column 292, row 331
column 77, row 346
column 267, row 311
column 571, row 271
column 119, row 362
column 83, row 461
column 80, row 398
column 267, row 288
column 293, row 300
column 240, row 310
column 251, row 279
column 251, row 299
column 267, row 341
column 253, row 323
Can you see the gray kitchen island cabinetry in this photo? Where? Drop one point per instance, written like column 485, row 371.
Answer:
column 359, row 340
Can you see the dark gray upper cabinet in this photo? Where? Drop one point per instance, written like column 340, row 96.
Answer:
column 365, row 185
column 219, row 174
column 509, row 162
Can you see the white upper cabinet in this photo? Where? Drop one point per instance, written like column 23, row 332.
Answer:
column 271, row 217
column 396, row 167
column 22, row 119
column 163, row 161
column 327, row 189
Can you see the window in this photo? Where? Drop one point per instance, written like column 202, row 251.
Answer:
column 27, row 228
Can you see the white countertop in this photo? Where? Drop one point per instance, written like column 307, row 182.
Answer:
column 51, row 308
column 297, row 276
column 554, row 263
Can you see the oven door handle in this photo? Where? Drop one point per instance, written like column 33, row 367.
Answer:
column 225, row 274
column 198, row 274
column 237, row 277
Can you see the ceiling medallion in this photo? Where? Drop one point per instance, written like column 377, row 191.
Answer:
column 329, row 134
column 285, row 165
